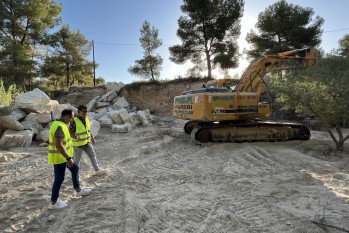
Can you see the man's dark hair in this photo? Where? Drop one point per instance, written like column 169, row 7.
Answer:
column 81, row 107
column 67, row 112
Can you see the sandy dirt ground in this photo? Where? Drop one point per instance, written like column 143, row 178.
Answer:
column 158, row 180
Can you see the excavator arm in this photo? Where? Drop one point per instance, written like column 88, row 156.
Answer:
column 252, row 79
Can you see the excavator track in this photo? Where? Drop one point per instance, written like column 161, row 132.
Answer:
column 259, row 131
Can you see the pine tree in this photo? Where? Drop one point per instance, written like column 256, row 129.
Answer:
column 150, row 65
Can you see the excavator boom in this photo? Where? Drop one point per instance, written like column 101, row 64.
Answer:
column 252, row 79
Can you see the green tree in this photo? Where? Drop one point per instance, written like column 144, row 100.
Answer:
column 209, row 32
column 150, row 65
column 321, row 91
column 100, row 81
column 283, row 27
column 23, row 24
column 344, row 46
column 68, row 58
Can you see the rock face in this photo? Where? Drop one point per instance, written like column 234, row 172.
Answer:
column 157, row 98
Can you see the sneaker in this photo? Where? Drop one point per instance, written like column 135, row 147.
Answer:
column 59, row 205
column 84, row 192
column 100, row 172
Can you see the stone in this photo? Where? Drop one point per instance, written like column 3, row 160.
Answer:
column 7, row 122
column 43, row 135
column 143, row 118
column 91, row 105
column 101, row 104
column 33, row 101
column 105, row 122
column 12, row 138
column 125, row 128
column 121, row 102
column 3, row 158
column 114, row 86
column 35, row 96
column 42, row 118
column 125, row 116
column 104, row 98
column 95, row 127
column 33, row 126
column 18, row 114
column 115, row 116
column 134, row 119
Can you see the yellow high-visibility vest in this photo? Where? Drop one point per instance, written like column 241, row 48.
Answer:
column 84, row 134
column 54, row 157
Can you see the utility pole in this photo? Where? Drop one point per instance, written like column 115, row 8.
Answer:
column 94, row 64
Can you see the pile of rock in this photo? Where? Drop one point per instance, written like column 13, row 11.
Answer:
column 32, row 114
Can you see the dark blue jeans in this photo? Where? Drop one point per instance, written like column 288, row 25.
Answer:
column 59, row 170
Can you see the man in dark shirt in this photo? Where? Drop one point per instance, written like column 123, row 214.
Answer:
column 87, row 144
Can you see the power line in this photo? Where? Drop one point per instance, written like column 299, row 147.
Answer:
column 337, row 30
column 96, row 42
column 166, row 45
column 124, row 44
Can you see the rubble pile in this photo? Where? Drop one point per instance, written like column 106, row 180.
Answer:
column 30, row 117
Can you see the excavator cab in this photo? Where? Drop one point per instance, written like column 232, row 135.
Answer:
column 229, row 84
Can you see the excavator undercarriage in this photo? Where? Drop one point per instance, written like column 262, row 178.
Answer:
column 252, row 131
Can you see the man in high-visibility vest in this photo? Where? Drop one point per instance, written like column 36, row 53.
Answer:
column 60, row 155
column 80, row 130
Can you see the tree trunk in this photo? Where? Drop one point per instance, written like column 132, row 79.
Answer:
column 209, row 67
column 340, row 141
column 340, row 146
column 151, row 71
column 67, row 75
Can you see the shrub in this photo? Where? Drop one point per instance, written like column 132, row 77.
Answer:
column 7, row 97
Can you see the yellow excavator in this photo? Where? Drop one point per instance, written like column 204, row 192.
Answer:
column 230, row 110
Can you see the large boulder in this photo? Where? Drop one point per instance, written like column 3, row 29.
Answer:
column 7, row 122
column 115, row 116
column 91, row 105
column 143, row 118
column 95, row 127
column 105, row 122
column 56, row 112
column 42, row 118
column 33, row 101
column 12, row 138
column 121, row 102
column 43, row 135
column 33, row 126
column 125, row 128
column 18, row 114
column 114, row 86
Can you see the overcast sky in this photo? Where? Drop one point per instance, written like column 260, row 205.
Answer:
column 115, row 25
